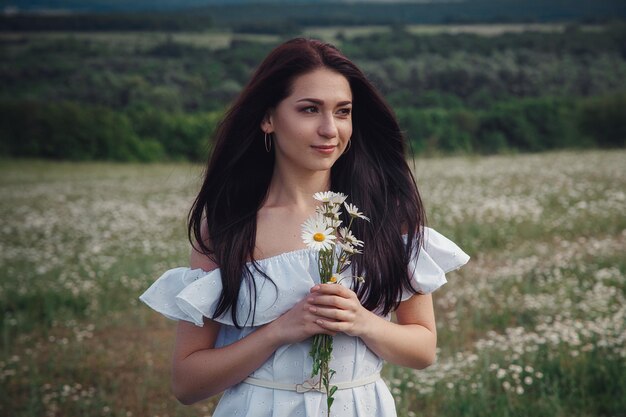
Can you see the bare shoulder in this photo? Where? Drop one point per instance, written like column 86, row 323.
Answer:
column 198, row 259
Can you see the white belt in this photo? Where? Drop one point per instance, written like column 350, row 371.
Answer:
column 310, row 384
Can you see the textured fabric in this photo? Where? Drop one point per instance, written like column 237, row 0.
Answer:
column 190, row 294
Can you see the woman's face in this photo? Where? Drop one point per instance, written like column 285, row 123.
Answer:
column 312, row 126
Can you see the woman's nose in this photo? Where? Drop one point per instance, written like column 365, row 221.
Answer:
column 327, row 127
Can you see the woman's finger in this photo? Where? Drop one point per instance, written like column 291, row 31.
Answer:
column 332, row 326
column 333, row 313
column 333, row 289
column 331, row 301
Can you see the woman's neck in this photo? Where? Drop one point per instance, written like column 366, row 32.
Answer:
column 296, row 189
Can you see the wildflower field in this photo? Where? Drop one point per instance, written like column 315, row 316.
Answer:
column 534, row 325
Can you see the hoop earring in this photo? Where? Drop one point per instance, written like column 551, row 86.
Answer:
column 268, row 142
column 347, row 147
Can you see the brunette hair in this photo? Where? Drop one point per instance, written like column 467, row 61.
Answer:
column 374, row 174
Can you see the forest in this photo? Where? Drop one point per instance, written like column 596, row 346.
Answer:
column 158, row 95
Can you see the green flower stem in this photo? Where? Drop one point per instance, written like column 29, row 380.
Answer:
column 322, row 346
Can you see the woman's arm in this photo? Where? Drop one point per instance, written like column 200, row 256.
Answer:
column 199, row 370
column 412, row 341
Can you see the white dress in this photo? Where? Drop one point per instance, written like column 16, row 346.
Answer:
column 189, row 294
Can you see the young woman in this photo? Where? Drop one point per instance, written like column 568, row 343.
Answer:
column 248, row 306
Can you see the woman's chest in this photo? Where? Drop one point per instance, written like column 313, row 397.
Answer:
column 278, row 231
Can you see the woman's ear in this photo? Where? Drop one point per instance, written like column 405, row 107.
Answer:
column 266, row 123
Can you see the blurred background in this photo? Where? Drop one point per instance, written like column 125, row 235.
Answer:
column 147, row 81
column 515, row 111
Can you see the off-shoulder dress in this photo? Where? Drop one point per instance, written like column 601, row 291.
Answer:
column 191, row 294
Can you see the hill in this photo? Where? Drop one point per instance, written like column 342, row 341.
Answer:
column 322, row 12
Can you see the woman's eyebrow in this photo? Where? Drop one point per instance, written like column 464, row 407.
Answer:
column 321, row 102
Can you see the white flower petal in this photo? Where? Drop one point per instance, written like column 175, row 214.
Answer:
column 354, row 211
column 330, row 197
column 317, row 226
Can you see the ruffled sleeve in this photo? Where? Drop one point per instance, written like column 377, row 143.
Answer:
column 166, row 294
column 192, row 294
column 437, row 256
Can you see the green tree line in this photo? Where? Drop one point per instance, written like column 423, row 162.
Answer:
column 68, row 130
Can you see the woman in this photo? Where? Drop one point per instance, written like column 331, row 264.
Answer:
column 308, row 121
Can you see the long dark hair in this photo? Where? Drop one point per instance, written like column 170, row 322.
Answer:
column 373, row 173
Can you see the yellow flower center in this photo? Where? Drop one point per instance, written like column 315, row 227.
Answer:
column 333, row 279
column 319, row 237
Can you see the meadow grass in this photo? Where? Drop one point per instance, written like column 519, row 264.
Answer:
column 332, row 33
column 534, row 325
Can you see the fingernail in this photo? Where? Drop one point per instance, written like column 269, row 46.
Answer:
column 317, row 287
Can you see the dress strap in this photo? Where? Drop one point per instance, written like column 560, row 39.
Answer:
column 310, row 384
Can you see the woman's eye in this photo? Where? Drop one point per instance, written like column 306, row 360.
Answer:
column 345, row 112
column 310, row 109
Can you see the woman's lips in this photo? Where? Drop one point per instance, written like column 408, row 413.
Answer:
column 325, row 149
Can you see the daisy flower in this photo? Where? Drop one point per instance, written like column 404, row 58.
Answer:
column 317, row 234
column 348, row 248
column 331, row 211
column 330, row 197
column 353, row 211
column 333, row 223
column 338, row 198
column 347, row 236
column 323, row 196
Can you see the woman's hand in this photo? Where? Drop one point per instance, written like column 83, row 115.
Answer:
column 338, row 309
column 297, row 324
column 411, row 342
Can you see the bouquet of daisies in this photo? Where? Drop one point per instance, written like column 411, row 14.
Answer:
column 335, row 245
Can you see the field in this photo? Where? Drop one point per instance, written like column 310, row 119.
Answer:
column 485, row 29
column 534, row 325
